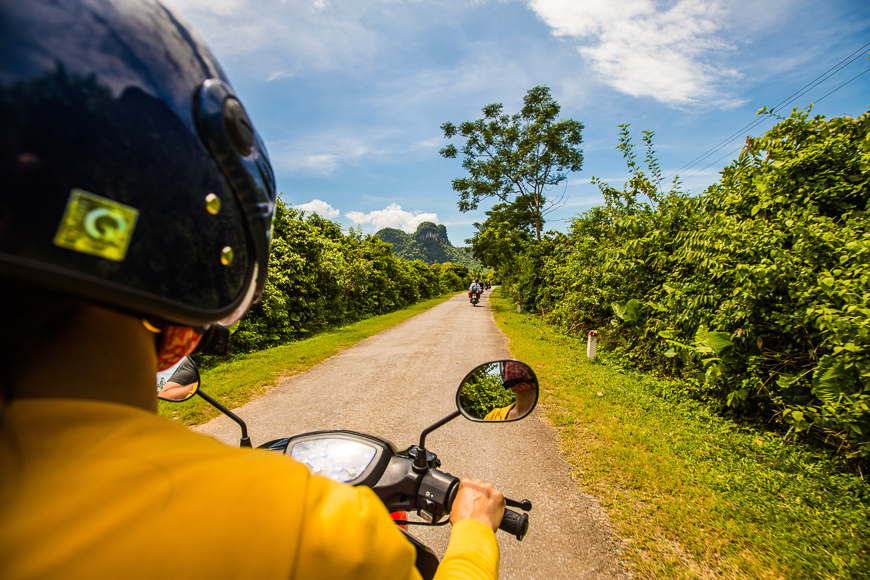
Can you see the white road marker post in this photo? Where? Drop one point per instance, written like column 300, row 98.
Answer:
column 592, row 345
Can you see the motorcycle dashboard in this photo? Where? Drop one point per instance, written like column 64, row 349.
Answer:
column 342, row 456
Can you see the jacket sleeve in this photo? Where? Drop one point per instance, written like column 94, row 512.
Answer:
column 472, row 554
column 347, row 533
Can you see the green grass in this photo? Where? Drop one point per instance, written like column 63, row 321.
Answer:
column 694, row 495
column 236, row 382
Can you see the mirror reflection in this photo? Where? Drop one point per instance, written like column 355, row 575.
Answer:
column 178, row 383
column 504, row 390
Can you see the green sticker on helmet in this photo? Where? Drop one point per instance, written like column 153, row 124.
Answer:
column 95, row 225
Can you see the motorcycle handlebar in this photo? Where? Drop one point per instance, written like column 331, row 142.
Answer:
column 514, row 523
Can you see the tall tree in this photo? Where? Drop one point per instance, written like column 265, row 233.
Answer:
column 504, row 235
column 518, row 158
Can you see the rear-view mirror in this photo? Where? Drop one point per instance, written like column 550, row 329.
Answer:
column 179, row 382
column 503, row 390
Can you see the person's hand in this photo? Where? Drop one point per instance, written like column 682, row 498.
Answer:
column 478, row 500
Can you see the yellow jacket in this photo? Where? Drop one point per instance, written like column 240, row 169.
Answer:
column 500, row 414
column 99, row 490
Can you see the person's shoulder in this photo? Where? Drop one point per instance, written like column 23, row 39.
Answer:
column 166, row 441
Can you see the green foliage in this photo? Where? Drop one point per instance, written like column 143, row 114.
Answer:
column 756, row 292
column 784, row 250
column 484, row 391
column 695, row 494
column 521, row 156
column 454, row 277
column 628, row 312
column 320, row 277
column 505, row 234
column 505, row 242
column 617, row 253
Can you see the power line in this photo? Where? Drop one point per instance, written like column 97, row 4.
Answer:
column 846, row 83
column 817, row 100
column 794, row 96
column 729, row 154
column 718, row 146
column 812, row 84
column 827, row 76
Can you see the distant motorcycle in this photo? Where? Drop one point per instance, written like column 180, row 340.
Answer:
column 474, row 293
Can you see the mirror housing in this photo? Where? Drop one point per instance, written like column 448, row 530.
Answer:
column 498, row 391
column 179, row 382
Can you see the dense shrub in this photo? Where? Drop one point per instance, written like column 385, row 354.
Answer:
column 320, row 277
column 485, row 391
column 757, row 292
column 784, row 251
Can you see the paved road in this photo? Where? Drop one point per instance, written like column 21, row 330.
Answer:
column 395, row 384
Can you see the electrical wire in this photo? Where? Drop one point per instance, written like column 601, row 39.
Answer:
column 844, row 84
column 729, row 154
column 788, row 100
column 738, row 149
column 812, row 84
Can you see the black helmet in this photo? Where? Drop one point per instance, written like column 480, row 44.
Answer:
column 131, row 174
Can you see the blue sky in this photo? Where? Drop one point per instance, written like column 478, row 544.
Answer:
column 349, row 95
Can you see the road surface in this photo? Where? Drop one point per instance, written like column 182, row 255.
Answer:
column 395, row 384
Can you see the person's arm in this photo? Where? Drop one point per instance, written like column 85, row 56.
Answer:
column 473, row 552
column 502, row 413
column 348, row 534
column 175, row 392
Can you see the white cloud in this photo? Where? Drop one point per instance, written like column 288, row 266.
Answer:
column 392, row 217
column 327, row 150
column 221, row 7
column 323, row 152
column 321, row 208
column 428, row 143
column 671, row 52
column 280, row 74
column 273, row 36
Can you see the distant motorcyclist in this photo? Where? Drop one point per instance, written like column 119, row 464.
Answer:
column 474, row 289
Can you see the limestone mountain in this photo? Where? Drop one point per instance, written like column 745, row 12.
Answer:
column 428, row 244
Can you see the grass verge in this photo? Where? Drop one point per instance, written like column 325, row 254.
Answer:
column 693, row 494
column 236, row 382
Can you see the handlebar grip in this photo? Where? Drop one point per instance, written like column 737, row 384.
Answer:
column 515, row 523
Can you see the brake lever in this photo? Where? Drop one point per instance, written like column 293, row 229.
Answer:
column 524, row 505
